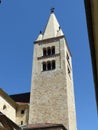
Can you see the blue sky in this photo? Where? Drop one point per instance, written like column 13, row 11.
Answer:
column 20, row 24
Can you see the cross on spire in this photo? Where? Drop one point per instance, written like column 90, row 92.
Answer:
column 52, row 10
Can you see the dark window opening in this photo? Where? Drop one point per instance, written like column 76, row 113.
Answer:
column 49, row 51
column 21, row 122
column 4, row 107
column 68, row 59
column 48, row 65
column 44, row 66
column 44, row 52
column 22, row 111
column 53, row 50
column 53, row 64
column 69, row 72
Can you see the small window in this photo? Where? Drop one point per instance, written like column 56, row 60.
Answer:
column 22, row 111
column 4, row 107
column 44, row 52
column 67, row 56
column 68, row 59
column 53, row 50
column 69, row 73
column 48, row 51
column 48, row 65
column 44, row 66
column 53, row 64
column 21, row 122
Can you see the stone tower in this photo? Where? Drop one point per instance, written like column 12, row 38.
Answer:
column 52, row 92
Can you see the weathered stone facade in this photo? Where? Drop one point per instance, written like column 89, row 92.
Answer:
column 52, row 92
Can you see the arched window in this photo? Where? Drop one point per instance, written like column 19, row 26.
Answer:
column 44, row 52
column 53, row 50
column 53, row 64
column 48, row 65
column 48, row 51
column 44, row 66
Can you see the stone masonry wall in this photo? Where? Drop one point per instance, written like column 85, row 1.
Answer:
column 52, row 95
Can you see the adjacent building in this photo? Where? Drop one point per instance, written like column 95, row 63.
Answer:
column 14, row 107
column 91, row 7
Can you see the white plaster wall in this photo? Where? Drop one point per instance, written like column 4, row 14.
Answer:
column 9, row 111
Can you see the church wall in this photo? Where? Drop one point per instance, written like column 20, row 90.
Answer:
column 7, row 109
column 70, row 93
column 22, row 114
column 51, row 107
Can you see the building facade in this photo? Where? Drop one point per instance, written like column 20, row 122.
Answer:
column 91, row 8
column 52, row 91
column 15, row 111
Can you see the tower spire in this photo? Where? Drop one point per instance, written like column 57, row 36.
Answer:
column 52, row 26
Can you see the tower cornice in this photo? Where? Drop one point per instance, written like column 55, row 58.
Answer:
column 49, row 39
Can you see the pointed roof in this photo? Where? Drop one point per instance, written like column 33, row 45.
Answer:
column 52, row 28
column 40, row 36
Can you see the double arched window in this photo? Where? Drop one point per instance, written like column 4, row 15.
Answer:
column 49, row 65
column 49, row 51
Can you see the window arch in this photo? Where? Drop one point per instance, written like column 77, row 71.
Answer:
column 48, row 51
column 44, row 52
column 53, row 50
column 53, row 64
column 48, row 65
column 44, row 66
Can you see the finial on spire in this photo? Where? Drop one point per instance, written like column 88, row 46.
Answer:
column 40, row 32
column 52, row 10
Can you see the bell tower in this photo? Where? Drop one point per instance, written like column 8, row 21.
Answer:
column 52, row 91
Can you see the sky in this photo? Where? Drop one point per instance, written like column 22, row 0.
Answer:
column 20, row 24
